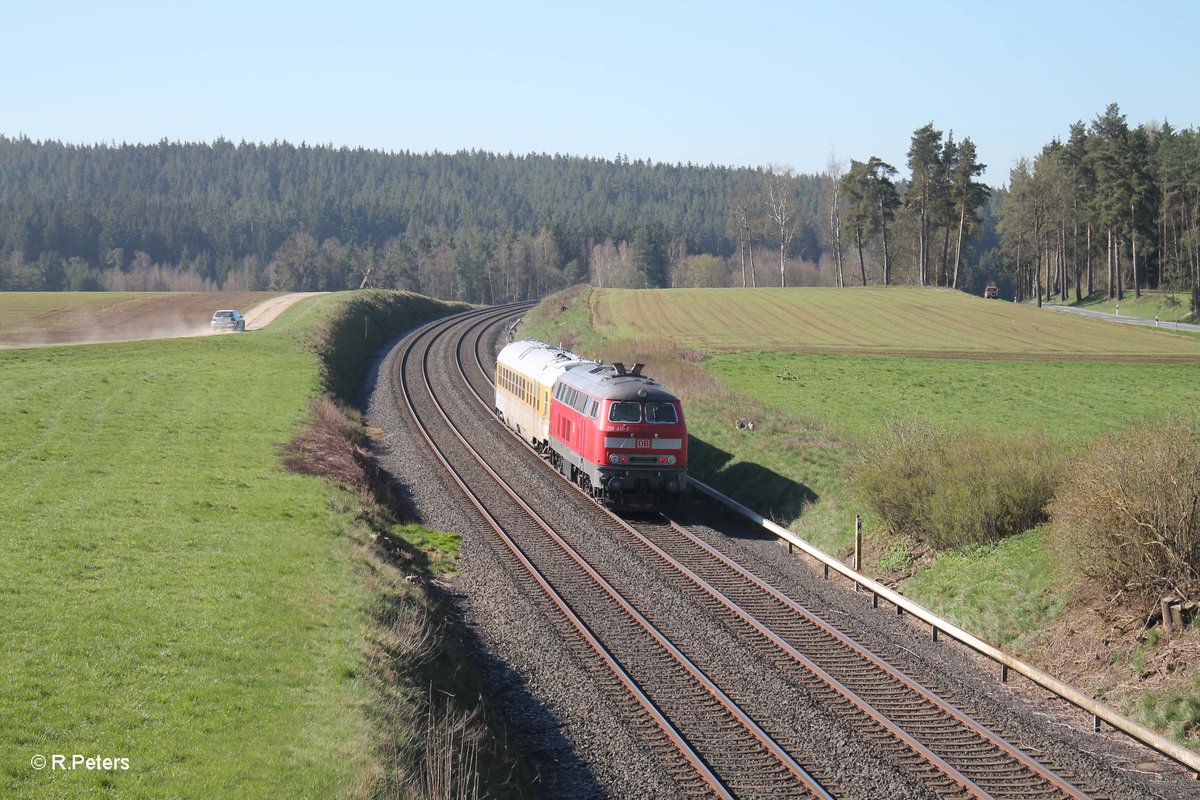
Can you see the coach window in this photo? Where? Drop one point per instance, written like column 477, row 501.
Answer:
column 625, row 412
column 661, row 412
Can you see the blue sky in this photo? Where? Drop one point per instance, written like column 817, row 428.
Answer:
column 738, row 83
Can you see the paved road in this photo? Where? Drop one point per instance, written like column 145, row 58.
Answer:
column 1082, row 312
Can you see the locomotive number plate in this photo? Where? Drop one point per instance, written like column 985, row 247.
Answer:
column 643, row 444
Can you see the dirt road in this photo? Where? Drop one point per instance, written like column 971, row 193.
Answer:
column 265, row 312
column 50, row 318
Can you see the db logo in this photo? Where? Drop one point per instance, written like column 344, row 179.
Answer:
column 643, row 444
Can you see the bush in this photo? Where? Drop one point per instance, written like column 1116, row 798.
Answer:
column 334, row 445
column 364, row 321
column 949, row 489
column 1128, row 514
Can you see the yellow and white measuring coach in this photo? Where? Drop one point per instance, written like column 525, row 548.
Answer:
column 525, row 376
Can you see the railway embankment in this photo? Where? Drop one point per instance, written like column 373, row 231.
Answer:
column 431, row 735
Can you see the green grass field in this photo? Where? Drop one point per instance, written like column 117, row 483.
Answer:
column 1073, row 400
column 817, row 386
column 170, row 595
column 966, row 584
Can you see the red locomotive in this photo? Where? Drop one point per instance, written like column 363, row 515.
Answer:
column 617, row 433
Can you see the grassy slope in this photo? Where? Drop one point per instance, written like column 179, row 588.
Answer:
column 1167, row 306
column 816, row 387
column 170, row 594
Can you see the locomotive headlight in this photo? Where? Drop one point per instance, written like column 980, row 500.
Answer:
column 670, row 459
column 612, row 459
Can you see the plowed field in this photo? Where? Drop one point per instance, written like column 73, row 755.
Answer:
column 41, row 318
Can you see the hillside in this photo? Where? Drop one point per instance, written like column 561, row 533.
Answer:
column 871, row 321
column 474, row 226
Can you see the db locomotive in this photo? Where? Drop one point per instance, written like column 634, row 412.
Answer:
column 615, row 432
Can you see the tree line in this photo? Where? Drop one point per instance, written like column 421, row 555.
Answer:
column 470, row 225
column 1113, row 208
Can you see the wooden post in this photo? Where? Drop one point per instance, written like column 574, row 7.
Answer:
column 1165, row 606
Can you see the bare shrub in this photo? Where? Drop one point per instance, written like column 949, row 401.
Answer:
column 334, row 445
column 949, row 489
column 450, row 765
column 1128, row 514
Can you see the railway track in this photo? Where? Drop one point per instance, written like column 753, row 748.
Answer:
column 714, row 747
column 930, row 742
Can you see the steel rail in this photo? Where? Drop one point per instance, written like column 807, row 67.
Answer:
column 876, row 716
column 765, row 740
column 644, row 701
column 854, row 647
column 623, row 677
column 1098, row 709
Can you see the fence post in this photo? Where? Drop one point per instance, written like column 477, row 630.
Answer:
column 857, row 547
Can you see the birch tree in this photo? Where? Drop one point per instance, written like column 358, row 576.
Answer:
column 782, row 207
column 833, row 181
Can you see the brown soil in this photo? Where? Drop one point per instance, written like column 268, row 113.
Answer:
column 1092, row 647
column 124, row 317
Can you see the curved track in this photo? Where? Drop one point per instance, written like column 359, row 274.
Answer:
column 700, row 728
column 748, row 751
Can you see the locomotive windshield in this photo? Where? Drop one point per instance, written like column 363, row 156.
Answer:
column 625, row 412
column 661, row 412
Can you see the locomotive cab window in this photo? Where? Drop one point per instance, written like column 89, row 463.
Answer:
column 625, row 412
column 661, row 412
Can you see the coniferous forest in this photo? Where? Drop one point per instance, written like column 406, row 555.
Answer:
column 1111, row 207
column 471, row 225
